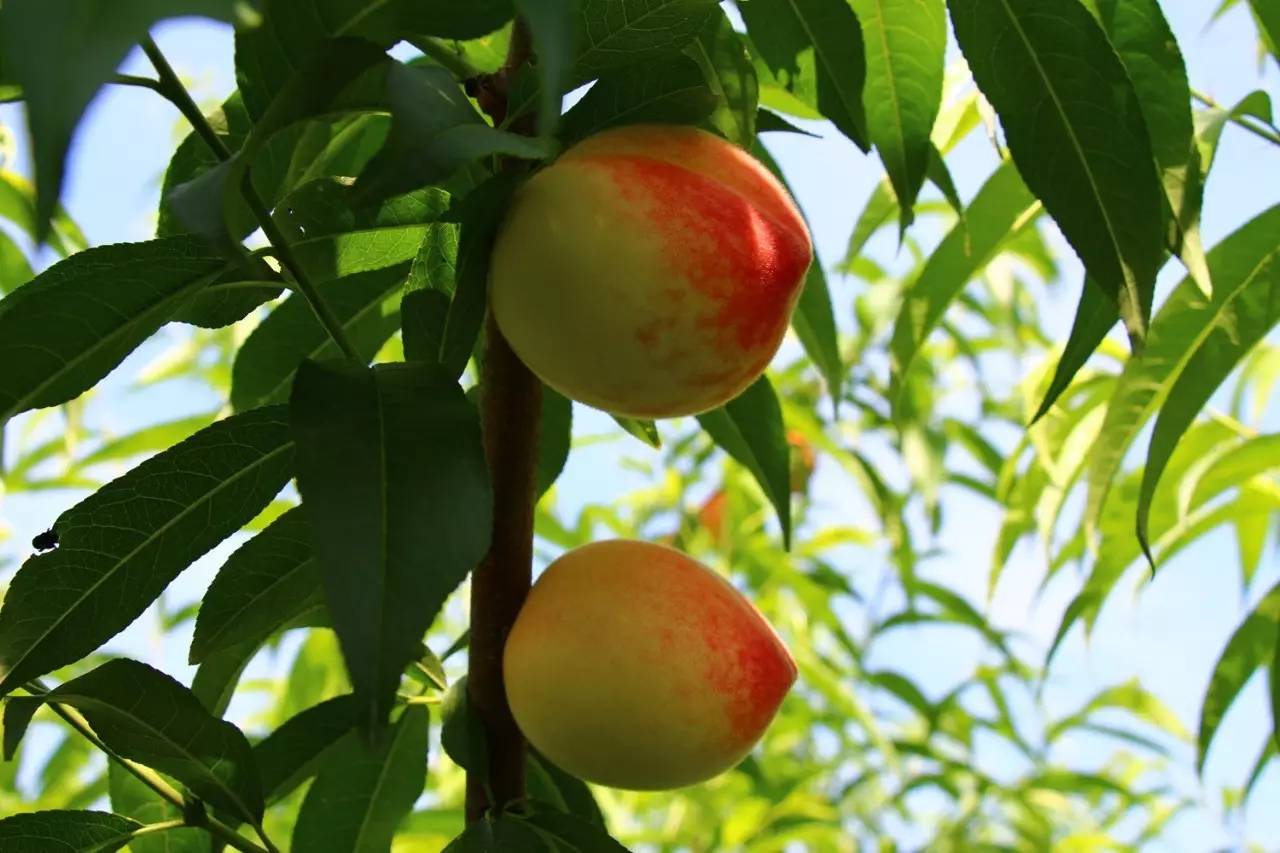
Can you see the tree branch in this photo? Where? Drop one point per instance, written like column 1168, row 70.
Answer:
column 171, row 87
column 510, row 404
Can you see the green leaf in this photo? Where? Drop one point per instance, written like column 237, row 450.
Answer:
column 347, row 75
column 69, row 831
column 144, row 715
column 132, row 799
column 61, row 52
column 574, row 834
column 1002, row 208
column 462, row 733
column 18, row 205
column 362, row 792
column 120, row 547
column 726, row 65
column 1242, row 317
column 367, row 304
column 555, row 429
column 906, row 43
column 1130, row 696
column 814, row 320
column 216, row 680
column 875, row 213
column 292, row 753
column 814, row 50
column 480, row 214
column 15, row 269
column 67, row 328
column 1096, row 313
column 646, row 431
column 396, row 491
column 771, row 122
column 149, row 439
column 1267, row 17
column 615, row 33
column 1185, row 321
column 1075, row 128
column 549, row 783
column 750, row 429
column 492, row 836
column 268, row 576
column 435, row 131
column 671, row 91
column 1147, row 47
column 552, row 28
column 1251, row 647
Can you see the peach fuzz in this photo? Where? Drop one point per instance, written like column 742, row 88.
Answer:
column 633, row 665
column 650, row 271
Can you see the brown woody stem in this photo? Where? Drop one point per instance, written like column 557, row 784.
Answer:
column 510, row 404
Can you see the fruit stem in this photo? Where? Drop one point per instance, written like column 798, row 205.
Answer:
column 510, row 405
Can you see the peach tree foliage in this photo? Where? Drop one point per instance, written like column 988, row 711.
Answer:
column 377, row 185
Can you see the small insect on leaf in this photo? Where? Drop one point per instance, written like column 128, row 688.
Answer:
column 46, row 541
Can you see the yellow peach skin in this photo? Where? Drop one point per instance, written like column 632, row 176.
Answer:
column 634, row 666
column 650, row 271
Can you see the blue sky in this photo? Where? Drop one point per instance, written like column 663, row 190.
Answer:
column 1170, row 633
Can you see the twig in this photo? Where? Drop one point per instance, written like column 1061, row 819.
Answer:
column 145, row 774
column 170, row 86
column 1260, row 129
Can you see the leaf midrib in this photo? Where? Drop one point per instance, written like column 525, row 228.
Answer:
column 105, row 342
column 159, row 734
column 209, row 645
column 1070, row 133
column 1162, row 390
column 821, row 55
column 148, row 541
column 383, row 773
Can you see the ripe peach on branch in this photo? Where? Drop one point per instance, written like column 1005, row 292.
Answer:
column 635, row 666
column 650, row 271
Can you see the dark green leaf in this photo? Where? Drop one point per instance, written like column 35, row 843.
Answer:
column 1001, row 208
column 576, row 834
column 423, row 314
column 66, row 832
column 1243, row 314
column 292, row 753
column 480, row 214
column 671, row 91
column 1147, row 47
column 499, row 836
column 270, row 575
column 1075, row 128
column 18, row 205
column 75, row 322
column 434, row 132
column 552, row 28
column 814, row 50
column 15, row 269
column 1267, row 17
column 367, row 304
column 462, row 734
column 722, row 56
column 132, row 799
column 750, row 429
column 771, row 122
column 1186, row 320
column 396, row 491
column 1096, row 313
column 1251, row 647
column 615, row 33
column 555, row 429
column 906, row 43
column 215, row 681
column 61, row 52
column 144, row 715
column 120, row 547
column 362, row 792
column 639, row 428
column 549, row 783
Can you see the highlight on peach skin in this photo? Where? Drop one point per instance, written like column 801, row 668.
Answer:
column 633, row 665
column 650, row 271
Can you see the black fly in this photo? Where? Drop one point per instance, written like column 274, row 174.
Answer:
column 46, row 541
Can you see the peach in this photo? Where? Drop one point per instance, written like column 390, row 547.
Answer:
column 634, row 666
column 650, row 271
